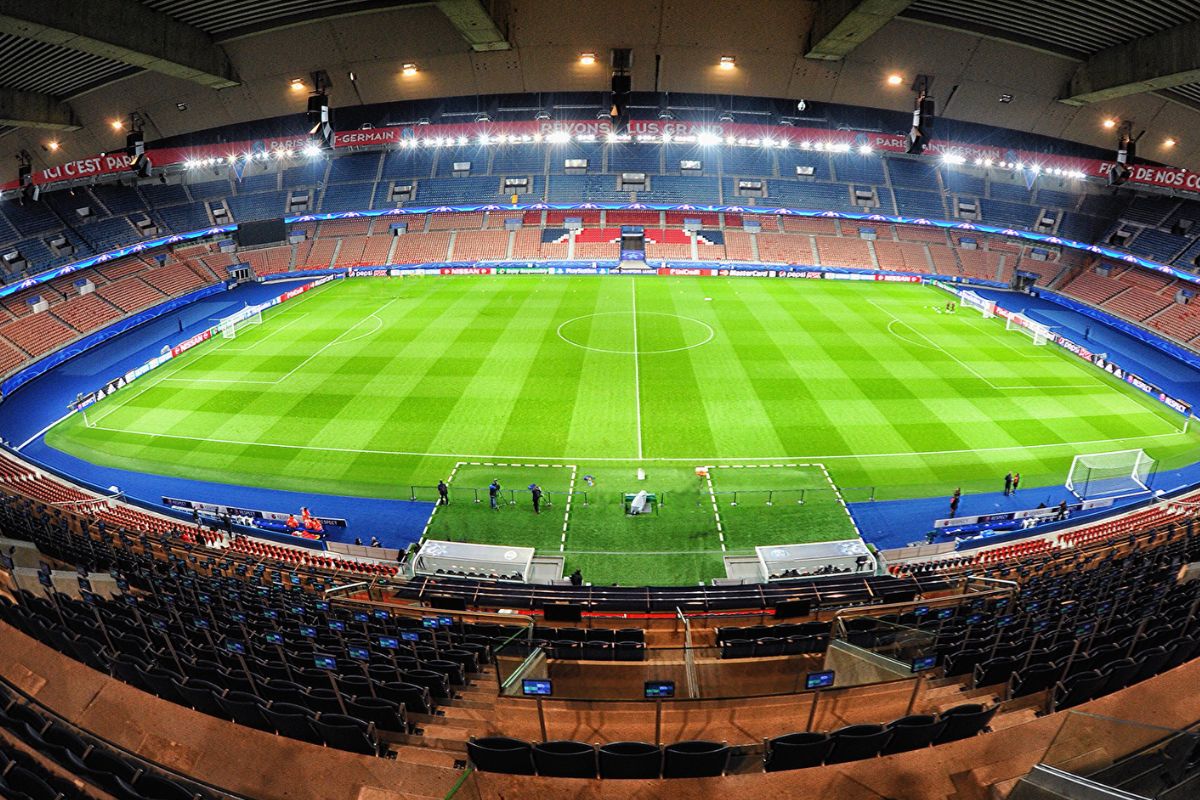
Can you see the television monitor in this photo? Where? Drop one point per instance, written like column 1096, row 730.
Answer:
column 448, row 602
column 536, row 687
column 819, row 680
column 657, row 690
column 361, row 616
column 789, row 609
column 923, row 663
column 309, row 631
column 337, row 625
column 261, row 233
column 388, row 642
column 325, row 662
column 359, row 653
column 562, row 612
column 201, row 623
column 410, row 636
column 235, row 646
column 273, row 637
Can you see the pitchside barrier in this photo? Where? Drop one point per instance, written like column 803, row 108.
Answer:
column 461, row 494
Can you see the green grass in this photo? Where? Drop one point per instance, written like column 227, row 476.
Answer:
column 380, row 387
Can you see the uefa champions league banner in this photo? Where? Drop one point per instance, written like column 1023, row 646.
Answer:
column 116, row 384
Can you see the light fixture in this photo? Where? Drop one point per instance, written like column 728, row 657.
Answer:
column 1110, row 123
column 52, row 145
column 312, row 150
column 728, row 62
column 587, row 59
column 181, row 106
column 117, row 124
column 1169, row 142
column 408, row 69
column 352, row 76
column 895, row 79
column 296, row 85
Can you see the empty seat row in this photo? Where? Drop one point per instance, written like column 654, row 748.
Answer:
column 570, row 759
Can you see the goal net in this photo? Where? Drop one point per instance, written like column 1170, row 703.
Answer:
column 1106, row 474
column 1035, row 330
column 983, row 305
column 229, row 326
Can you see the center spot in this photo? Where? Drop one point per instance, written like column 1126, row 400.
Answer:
column 657, row 332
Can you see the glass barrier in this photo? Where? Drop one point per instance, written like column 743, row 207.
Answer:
column 1088, row 744
column 901, row 643
column 680, row 673
column 510, row 657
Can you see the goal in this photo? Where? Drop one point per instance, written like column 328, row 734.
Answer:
column 1035, row 330
column 229, row 326
column 1120, row 472
column 985, row 307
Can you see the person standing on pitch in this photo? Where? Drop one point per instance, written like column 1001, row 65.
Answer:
column 494, row 493
column 536, row 492
column 1008, row 484
column 443, row 494
column 954, row 498
column 1016, row 481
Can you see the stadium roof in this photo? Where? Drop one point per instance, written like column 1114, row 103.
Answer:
column 187, row 65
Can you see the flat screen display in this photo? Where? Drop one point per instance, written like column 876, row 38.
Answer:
column 655, row 690
column 819, row 680
column 535, row 687
column 263, row 232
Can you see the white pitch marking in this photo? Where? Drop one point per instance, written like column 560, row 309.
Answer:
column 716, row 509
column 637, row 381
column 932, row 345
column 567, row 514
column 180, row 363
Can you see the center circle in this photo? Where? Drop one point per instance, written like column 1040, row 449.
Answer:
column 621, row 326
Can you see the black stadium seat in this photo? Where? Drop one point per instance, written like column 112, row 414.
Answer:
column 913, row 732
column 565, row 759
column 796, row 751
column 695, row 759
column 857, row 741
column 965, row 721
column 630, row 760
column 501, row 754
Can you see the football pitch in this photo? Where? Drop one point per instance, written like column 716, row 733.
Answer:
column 800, row 393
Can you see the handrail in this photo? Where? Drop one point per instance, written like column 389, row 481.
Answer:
column 462, row 779
column 689, row 658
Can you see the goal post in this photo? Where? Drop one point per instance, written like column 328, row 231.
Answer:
column 1040, row 333
column 981, row 304
column 231, row 325
column 1120, row 472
